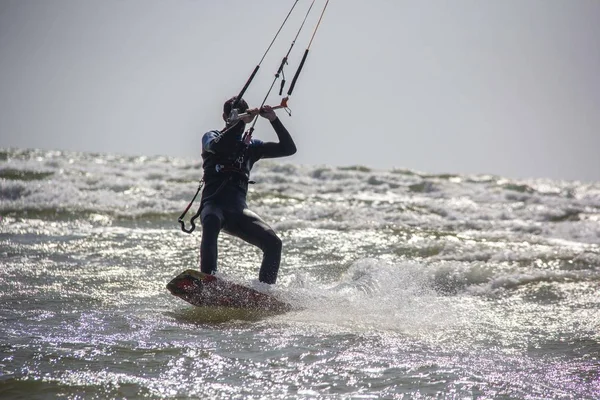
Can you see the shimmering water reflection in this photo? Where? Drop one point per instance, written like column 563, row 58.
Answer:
column 405, row 285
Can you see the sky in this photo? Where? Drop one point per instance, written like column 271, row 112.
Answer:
column 508, row 88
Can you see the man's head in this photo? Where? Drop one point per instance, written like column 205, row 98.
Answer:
column 241, row 106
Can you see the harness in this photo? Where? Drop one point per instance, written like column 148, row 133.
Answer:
column 232, row 167
column 233, row 163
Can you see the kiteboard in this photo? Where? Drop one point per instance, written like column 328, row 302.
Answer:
column 204, row 290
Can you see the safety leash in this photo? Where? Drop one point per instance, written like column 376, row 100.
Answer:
column 192, row 221
column 195, row 217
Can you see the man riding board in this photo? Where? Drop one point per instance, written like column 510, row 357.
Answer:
column 227, row 162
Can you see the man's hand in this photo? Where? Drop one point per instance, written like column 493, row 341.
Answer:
column 268, row 113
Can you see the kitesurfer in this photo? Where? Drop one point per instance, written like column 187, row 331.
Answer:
column 227, row 161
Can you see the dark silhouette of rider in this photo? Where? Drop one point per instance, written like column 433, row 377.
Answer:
column 227, row 162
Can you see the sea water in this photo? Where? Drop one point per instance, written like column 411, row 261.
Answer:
column 405, row 284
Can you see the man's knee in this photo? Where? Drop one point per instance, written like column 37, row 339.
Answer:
column 211, row 222
column 273, row 243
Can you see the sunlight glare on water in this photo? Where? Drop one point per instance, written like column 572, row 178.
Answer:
column 402, row 284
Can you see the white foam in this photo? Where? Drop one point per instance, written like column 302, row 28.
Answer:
column 372, row 295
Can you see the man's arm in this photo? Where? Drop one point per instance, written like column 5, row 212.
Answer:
column 286, row 145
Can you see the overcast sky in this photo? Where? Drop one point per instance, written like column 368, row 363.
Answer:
column 507, row 87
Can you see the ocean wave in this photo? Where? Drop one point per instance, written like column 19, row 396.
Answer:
column 23, row 175
column 517, row 280
column 354, row 197
column 484, row 278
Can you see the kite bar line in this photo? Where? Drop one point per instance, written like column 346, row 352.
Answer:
column 280, row 71
column 243, row 91
column 248, row 134
column 284, row 61
column 293, row 84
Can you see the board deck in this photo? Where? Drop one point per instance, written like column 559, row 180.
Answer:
column 204, row 290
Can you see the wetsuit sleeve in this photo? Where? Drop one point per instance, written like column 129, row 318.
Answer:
column 285, row 147
column 216, row 142
column 208, row 140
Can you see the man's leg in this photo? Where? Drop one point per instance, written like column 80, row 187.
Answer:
column 251, row 228
column 212, row 221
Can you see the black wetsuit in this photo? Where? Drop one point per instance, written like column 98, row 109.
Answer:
column 227, row 162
